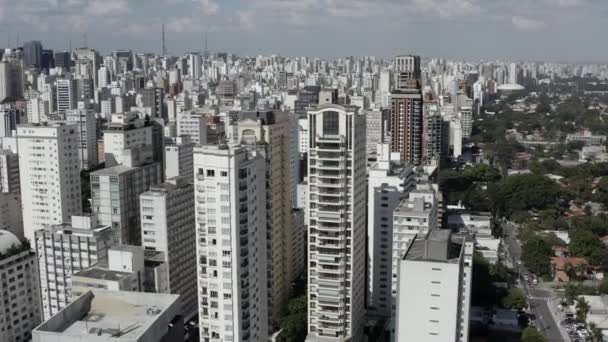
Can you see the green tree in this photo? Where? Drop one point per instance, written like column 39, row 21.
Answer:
column 582, row 309
column 532, row 335
column 584, row 243
column 595, row 332
column 570, row 292
column 481, row 173
column 515, row 299
column 603, row 286
column 535, row 256
column 524, row 192
column 294, row 325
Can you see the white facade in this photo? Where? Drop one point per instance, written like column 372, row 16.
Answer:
column 303, row 135
column 178, row 158
column 66, row 95
column 19, row 298
column 230, row 190
column 50, row 175
column 125, row 136
column 194, row 126
column 466, row 120
column 336, row 224
column 167, row 223
column 388, row 184
column 66, row 249
column 434, row 304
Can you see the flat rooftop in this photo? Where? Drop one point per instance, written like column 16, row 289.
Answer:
column 101, row 273
column 116, row 315
column 438, row 246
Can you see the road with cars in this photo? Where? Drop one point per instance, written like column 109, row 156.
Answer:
column 539, row 299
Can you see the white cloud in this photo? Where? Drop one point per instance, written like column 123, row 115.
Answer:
column 527, row 24
column 107, row 7
column 209, row 7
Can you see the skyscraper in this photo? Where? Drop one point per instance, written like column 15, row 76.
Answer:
column 32, row 54
column 336, row 224
column 268, row 132
column 86, row 121
column 168, row 226
column 406, row 110
column 50, row 190
column 11, row 79
column 66, row 95
column 230, row 190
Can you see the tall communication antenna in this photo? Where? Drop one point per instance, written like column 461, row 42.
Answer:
column 84, row 40
column 164, row 43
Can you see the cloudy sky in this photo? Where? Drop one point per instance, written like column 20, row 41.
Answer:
column 555, row 30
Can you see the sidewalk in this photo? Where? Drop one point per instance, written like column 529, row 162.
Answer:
column 552, row 303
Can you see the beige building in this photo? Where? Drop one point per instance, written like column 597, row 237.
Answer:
column 269, row 132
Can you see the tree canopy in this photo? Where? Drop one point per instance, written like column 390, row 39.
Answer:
column 532, row 335
column 536, row 254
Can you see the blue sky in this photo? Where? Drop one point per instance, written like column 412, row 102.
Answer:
column 554, row 30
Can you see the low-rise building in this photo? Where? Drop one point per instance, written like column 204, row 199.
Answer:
column 115, row 316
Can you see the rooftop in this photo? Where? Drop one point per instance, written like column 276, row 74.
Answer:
column 112, row 171
column 438, row 246
column 122, row 316
column 97, row 272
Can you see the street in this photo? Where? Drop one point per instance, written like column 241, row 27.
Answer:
column 538, row 298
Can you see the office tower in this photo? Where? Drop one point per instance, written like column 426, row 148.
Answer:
column 168, row 226
column 32, row 54
column 434, row 292
column 389, row 183
column 89, row 57
column 101, row 316
column 268, row 132
column 48, row 59
column 103, row 77
column 179, row 158
column 308, row 98
column 50, row 190
column 66, row 95
column 194, row 66
column 230, row 191
column 11, row 79
column 63, row 59
column 193, row 125
column 85, row 120
column 65, row 249
column 417, row 214
column 406, row 110
column 19, row 298
column 336, row 224
column 115, row 194
column 513, row 73
column 384, row 89
column 9, row 172
column 85, row 89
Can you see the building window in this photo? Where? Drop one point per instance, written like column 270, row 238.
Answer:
column 210, row 173
column 331, row 123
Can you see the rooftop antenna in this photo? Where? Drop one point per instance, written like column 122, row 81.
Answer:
column 18, row 39
column 164, row 42
column 70, row 46
column 84, row 40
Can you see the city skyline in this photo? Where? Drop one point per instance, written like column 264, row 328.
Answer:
column 536, row 30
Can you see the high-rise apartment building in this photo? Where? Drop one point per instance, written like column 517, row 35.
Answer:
column 434, row 291
column 268, row 132
column 10, row 117
column 86, row 121
column 66, row 249
column 179, row 158
column 49, row 167
column 376, row 131
column 406, row 110
column 20, row 296
column 132, row 141
column 417, row 214
column 168, row 226
column 230, row 190
column 193, row 125
column 389, row 182
column 336, row 224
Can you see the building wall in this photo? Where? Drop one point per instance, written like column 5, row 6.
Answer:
column 230, row 191
column 19, row 298
column 50, row 175
column 336, row 226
